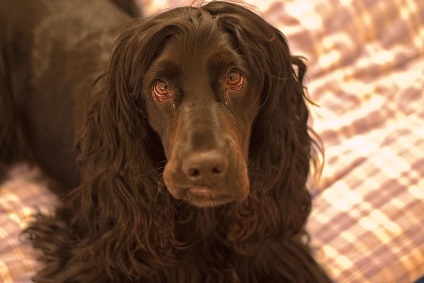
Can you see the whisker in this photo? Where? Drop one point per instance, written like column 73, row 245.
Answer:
column 151, row 171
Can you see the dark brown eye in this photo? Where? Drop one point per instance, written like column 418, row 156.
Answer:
column 235, row 80
column 162, row 91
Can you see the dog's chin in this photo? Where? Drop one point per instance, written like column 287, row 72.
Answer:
column 206, row 197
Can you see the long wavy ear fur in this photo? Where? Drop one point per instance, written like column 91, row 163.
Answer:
column 280, row 146
column 120, row 157
column 107, row 221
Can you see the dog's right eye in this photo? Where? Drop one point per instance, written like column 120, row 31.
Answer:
column 235, row 80
column 162, row 91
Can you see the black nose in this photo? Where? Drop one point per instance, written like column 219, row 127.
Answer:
column 205, row 168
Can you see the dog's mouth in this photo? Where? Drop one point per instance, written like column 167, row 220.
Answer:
column 202, row 196
column 206, row 197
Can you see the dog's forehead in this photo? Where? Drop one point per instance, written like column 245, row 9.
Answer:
column 199, row 46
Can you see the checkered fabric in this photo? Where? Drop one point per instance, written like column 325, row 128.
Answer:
column 20, row 198
column 366, row 73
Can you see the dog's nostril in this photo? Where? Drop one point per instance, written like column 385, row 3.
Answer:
column 205, row 167
column 192, row 172
column 216, row 170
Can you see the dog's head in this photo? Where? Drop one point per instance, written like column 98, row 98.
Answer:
column 202, row 77
column 202, row 97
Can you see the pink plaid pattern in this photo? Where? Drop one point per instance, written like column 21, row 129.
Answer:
column 20, row 198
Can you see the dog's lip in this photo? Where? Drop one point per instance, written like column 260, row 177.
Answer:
column 205, row 196
column 204, row 192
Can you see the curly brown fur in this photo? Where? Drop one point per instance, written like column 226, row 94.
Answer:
column 193, row 153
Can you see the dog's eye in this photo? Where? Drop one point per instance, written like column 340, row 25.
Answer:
column 235, row 80
column 161, row 91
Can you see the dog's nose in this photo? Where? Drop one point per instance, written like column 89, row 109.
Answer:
column 205, row 168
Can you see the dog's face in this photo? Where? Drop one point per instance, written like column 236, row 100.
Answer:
column 201, row 99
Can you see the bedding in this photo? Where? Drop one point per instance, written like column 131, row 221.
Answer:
column 366, row 75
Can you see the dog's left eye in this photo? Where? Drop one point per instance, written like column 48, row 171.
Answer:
column 235, row 80
column 162, row 91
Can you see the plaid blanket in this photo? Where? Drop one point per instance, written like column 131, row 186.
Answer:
column 366, row 73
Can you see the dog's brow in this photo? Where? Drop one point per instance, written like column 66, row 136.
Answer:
column 220, row 59
column 166, row 68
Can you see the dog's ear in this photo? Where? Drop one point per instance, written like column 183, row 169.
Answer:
column 116, row 209
column 280, row 145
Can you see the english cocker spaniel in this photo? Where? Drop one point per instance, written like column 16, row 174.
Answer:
column 192, row 144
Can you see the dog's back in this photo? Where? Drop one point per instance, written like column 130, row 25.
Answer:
column 51, row 53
